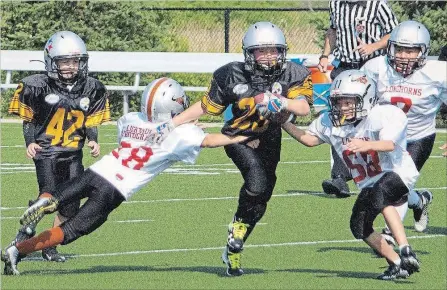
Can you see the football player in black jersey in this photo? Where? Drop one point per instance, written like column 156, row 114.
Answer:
column 59, row 110
column 265, row 71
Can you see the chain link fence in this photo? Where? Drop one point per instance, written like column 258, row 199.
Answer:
column 222, row 29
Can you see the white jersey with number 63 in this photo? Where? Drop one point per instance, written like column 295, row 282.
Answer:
column 384, row 122
column 139, row 159
column 419, row 95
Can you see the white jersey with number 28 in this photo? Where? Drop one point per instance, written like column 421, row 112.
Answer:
column 139, row 159
column 384, row 122
column 419, row 95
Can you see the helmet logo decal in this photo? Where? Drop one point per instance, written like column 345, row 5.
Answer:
column 361, row 79
column 178, row 100
column 50, row 45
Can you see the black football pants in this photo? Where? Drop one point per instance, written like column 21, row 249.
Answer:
column 258, row 167
column 54, row 171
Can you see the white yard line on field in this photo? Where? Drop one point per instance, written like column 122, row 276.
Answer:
column 290, row 194
column 289, row 244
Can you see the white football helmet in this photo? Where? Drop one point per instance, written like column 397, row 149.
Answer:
column 162, row 99
column 65, row 45
column 263, row 35
column 351, row 84
column 408, row 34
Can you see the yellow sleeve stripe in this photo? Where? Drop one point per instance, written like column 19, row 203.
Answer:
column 305, row 90
column 23, row 111
column 211, row 107
column 99, row 117
column 94, row 120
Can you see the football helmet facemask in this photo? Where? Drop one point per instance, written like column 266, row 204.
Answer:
column 408, row 34
column 66, row 58
column 351, row 84
column 264, row 36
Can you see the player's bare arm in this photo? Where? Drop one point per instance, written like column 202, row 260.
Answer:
column 301, row 136
column 359, row 145
column 218, row 140
column 299, row 107
column 192, row 113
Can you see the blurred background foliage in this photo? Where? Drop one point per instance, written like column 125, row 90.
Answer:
column 145, row 26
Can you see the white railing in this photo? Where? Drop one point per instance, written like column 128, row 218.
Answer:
column 137, row 63
column 132, row 62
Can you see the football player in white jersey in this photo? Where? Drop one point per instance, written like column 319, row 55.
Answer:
column 118, row 175
column 371, row 142
column 405, row 78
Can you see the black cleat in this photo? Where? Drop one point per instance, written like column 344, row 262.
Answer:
column 337, row 186
column 394, row 272
column 52, row 255
column 409, row 260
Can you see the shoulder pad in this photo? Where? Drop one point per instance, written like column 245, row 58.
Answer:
column 36, row 80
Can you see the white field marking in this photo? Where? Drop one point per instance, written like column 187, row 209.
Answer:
column 123, row 221
column 221, row 248
column 114, row 143
column 133, row 221
column 291, row 194
column 193, row 169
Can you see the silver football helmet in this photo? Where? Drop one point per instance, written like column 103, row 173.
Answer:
column 351, row 84
column 264, row 35
column 162, row 99
column 408, row 34
column 65, row 45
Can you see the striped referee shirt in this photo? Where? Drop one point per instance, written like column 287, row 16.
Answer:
column 369, row 20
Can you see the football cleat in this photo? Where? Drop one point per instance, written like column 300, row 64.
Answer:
column 236, row 234
column 52, row 255
column 421, row 214
column 409, row 260
column 10, row 258
column 42, row 206
column 24, row 233
column 337, row 186
column 394, row 272
column 233, row 262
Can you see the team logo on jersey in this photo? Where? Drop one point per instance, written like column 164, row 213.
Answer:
column 276, row 88
column 52, row 99
column 239, row 89
column 84, row 103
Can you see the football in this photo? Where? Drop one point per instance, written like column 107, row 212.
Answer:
column 281, row 117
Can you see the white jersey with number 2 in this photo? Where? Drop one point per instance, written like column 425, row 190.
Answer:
column 419, row 95
column 139, row 159
column 384, row 122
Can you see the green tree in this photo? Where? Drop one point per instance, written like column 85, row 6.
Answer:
column 104, row 26
column 433, row 14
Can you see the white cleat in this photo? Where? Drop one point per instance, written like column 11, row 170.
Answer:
column 421, row 214
column 10, row 257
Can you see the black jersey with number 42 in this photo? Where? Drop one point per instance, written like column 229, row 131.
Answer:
column 60, row 115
